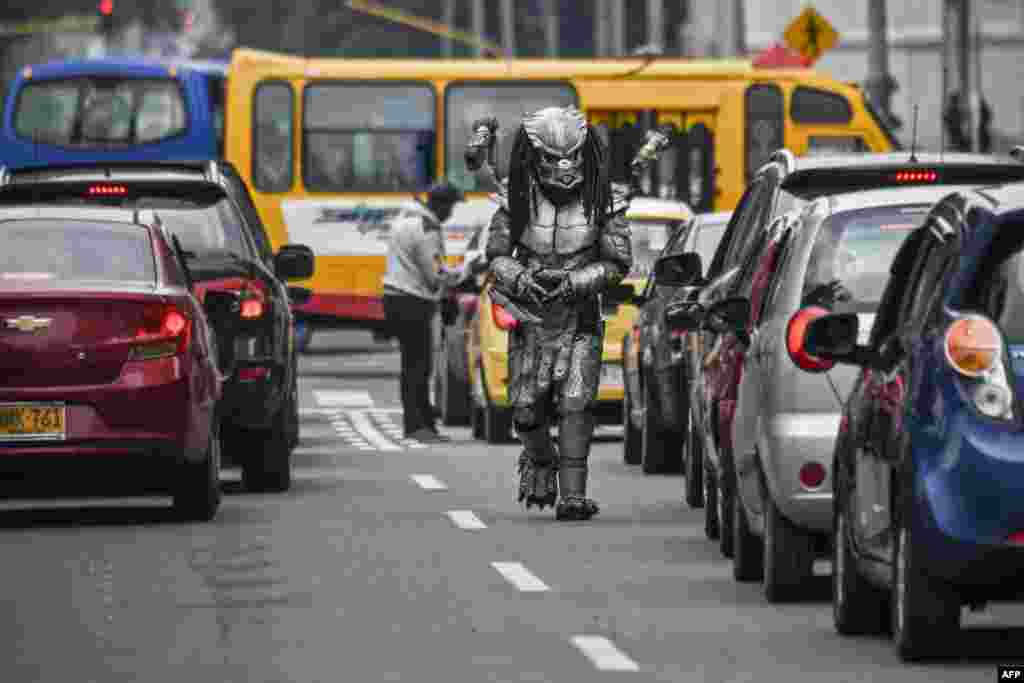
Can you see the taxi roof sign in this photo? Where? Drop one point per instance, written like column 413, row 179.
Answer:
column 810, row 34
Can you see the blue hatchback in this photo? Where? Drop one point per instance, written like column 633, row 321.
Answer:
column 929, row 461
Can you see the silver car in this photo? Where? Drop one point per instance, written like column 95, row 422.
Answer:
column 835, row 255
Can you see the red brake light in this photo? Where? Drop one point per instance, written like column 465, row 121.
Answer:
column 812, row 475
column 252, row 293
column 107, row 190
column 1016, row 538
column 163, row 331
column 916, row 177
column 252, row 308
column 795, row 333
column 502, row 318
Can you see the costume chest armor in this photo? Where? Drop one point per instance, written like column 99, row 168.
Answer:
column 559, row 230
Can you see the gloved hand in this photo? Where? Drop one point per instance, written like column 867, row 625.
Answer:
column 528, row 289
column 556, row 283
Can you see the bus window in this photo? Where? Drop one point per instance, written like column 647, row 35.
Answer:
column 95, row 112
column 766, row 123
column 467, row 102
column 812, row 105
column 369, row 138
column 272, row 137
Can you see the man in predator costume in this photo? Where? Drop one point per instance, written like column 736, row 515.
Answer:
column 558, row 240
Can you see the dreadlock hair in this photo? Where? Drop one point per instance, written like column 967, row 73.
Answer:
column 523, row 182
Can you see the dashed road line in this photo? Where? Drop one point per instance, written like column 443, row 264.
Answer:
column 466, row 519
column 361, row 421
column 603, row 654
column 520, row 577
column 343, row 399
column 429, row 482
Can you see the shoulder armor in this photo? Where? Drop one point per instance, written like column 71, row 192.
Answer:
column 621, row 197
column 501, row 196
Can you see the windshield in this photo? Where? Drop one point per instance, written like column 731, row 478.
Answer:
column 708, row 233
column 99, row 112
column 52, row 251
column 649, row 238
column 855, row 250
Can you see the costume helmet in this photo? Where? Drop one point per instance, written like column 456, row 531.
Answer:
column 558, row 135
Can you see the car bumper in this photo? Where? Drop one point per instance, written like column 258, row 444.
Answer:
column 254, row 394
column 787, row 442
column 968, row 498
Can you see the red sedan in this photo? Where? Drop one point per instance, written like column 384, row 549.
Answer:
column 107, row 362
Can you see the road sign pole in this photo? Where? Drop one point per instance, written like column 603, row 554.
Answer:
column 880, row 85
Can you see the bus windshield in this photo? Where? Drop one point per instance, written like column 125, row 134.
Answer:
column 100, row 111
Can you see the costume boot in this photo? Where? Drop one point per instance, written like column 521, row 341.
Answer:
column 538, row 468
column 574, row 435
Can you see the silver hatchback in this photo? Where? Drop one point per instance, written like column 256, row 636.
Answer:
column 835, row 256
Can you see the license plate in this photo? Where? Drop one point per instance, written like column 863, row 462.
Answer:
column 32, row 422
column 611, row 374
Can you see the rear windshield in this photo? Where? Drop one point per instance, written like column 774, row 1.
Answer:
column 855, row 250
column 100, row 112
column 49, row 250
column 201, row 228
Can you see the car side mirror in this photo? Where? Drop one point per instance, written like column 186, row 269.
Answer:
column 299, row 296
column 294, row 262
column 729, row 315
column 678, row 270
column 833, row 337
column 684, row 315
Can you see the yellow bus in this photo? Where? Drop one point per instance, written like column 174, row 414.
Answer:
column 331, row 148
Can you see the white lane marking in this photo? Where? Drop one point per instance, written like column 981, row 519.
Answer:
column 366, row 429
column 429, row 482
column 344, row 399
column 520, row 577
column 314, row 412
column 603, row 654
column 466, row 519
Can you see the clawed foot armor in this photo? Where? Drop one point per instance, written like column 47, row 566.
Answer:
column 538, row 484
column 576, row 509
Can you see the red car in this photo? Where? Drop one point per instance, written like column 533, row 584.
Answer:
column 109, row 372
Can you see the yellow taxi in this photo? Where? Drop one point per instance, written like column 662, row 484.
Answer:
column 652, row 222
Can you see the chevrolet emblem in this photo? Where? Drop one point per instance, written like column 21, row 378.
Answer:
column 27, row 323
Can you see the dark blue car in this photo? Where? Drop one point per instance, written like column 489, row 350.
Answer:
column 929, row 463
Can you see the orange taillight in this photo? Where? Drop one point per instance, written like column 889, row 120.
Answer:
column 973, row 345
column 251, row 308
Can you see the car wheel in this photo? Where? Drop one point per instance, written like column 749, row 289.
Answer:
column 267, row 467
column 660, row 448
column 694, row 459
column 748, row 547
column 725, row 509
column 711, row 526
column 631, row 436
column 197, row 494
column 858, row 607
column 453, row 393
column 925, row 611
column 788, row 555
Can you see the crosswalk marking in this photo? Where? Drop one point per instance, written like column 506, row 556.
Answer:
column 466, row 519
column 343, row 399
column 603, row 654
column 361, row 422
column 429, row 482
column 520, row 577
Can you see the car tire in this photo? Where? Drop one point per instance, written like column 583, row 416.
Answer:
column 725, row 509
column 452, row 389
column 694, row 467
column 197, row 493
column 925, row 611
column 711, row 525
column 859, row 608
column 788, row 555
column 631, row 436
column 267, row 468
column 660, row 449
column 748, row 547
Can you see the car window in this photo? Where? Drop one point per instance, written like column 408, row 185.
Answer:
column 897, row 290
column 705, row 240
column 649, row 239
column 199, row 228
column 854, row 251
column 734, row 230
column 52, row 250
column 256, row 230
column 785, row 256
column 1001, row 290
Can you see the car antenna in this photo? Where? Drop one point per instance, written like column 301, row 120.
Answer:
column 913, row 137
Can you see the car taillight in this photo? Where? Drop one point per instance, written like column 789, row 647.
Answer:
column 502, row 318
column 795, row 333
column 252, row 308
column 1016, row 538
column 972, row 345
column 163, row 331
column 252, row 295
column 812, row 475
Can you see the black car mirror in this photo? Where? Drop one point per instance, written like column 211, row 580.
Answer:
column 684, row 315
column 729, row 315
column 834, row 337
column 294, row 262
column 222, row 307
column 678, row 270
column 299, row 296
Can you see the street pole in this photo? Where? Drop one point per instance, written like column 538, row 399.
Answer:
column 739, row 28
column 551, row 19
column 479, row 24
column 617, row 28
column 601, row 33
column 508, row 27
column 880, row 83
column 963, row 46
column 656, row 24
column 447, row 46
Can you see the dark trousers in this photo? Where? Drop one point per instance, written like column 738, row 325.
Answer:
column 410, row 320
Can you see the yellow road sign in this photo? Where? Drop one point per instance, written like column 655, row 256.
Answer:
column 810, row 34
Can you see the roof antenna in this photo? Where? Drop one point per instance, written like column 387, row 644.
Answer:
column 913, row 137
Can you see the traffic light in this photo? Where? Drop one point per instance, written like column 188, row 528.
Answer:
column 106, row 10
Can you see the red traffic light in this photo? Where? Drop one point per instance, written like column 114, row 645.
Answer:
column 106, row 7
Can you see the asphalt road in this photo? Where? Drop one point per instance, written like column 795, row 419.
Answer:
column 394, row 561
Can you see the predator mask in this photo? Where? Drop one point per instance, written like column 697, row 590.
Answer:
column 557, row 135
